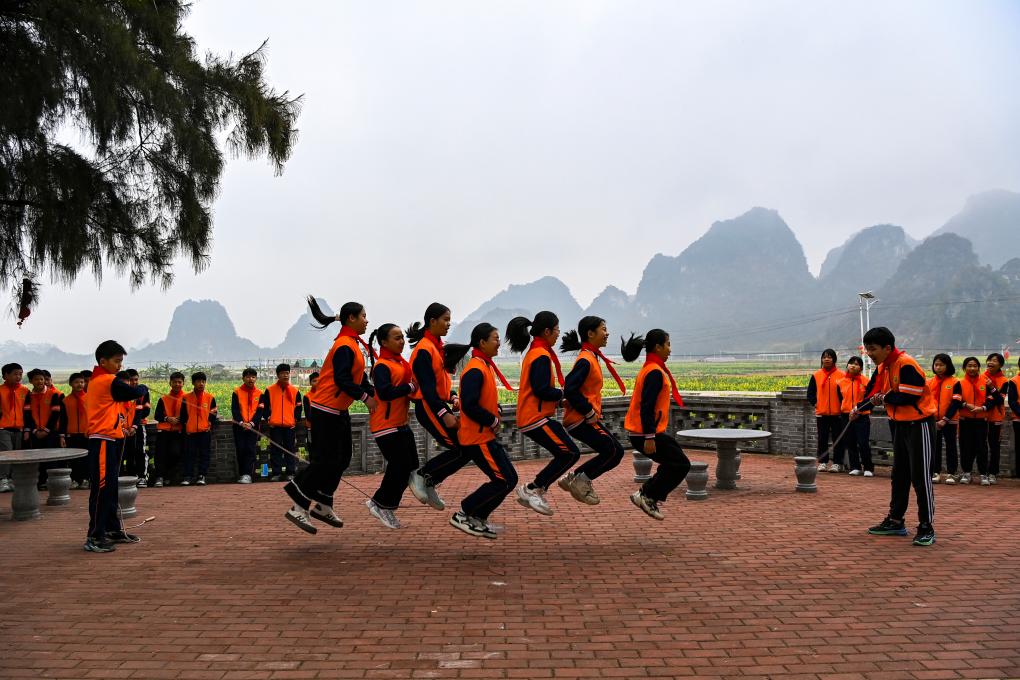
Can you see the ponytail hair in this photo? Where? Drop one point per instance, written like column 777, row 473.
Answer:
column 416, row 331
column 348, row 310
column 571, row 342
column 631, row 348
column 455, row 352
column 379, row 335
column 517, row 330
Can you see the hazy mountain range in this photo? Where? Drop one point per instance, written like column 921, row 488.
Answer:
column 744, row 285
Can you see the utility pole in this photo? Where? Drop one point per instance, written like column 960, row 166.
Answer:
column 864, row 302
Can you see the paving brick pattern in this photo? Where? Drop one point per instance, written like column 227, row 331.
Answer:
column 756, row 583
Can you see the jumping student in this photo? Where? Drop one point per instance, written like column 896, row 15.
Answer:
column 582, row 415
column 198, row 418
column 823, row 394
column 899, row 383
column 948, row 396
column 857, row 438
column 136, row 461
column 479, row 430
column 42, row 420
column 648, row 419
column 246, row 408
column 1013, row 397
column 170, row 411
column 996, row 380
column 106, row 427
column 342, row 382
column 394, row 384
column 12, row 417
column 974, row 422
column 538, row 397
column 435, row 401
column 73, row 424
column 281, row 409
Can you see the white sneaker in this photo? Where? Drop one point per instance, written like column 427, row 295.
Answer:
column 416, row 484
column 384, row 515
column 965, row 479
column 822, row 467
column 534, row 499
column 992, row 479
column 158, row 484
column 856, row 473
column 935, row 479
column 5, row 485
column 869, row 473
column 325, row 513
column 984, row 480
column 950, row 479
column 647, row 505
column 835, row 468
column 245, row 479
column 299, row 516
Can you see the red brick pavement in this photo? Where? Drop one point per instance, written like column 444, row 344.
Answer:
column 756, row 583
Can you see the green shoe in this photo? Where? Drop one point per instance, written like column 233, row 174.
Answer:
column 889, row 527
column 925, row 535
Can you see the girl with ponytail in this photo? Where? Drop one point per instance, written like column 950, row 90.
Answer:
column 538, row 396
column 394, row 384
column 435, row 401
column 648, row 418
column 342, row 381
column 479, row 431
column 582, row 416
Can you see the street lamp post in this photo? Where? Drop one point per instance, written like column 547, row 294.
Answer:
column 864, row 302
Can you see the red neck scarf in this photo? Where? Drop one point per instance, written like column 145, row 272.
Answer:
column 658, row 361
column 883, row 384
column 348, row 332
column 176, row 393
column 990, row 379
column 609, row 365
column 385, row 353
column 438, row 342
column 478, row 354
column 248, row 388
column 542, row 344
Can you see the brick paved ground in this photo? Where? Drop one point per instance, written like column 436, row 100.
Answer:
column 760, row 582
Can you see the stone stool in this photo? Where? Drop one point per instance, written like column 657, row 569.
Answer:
column 697, row 481
column 127, row 492
column 806, row 470
column 642, row 467
column 58, row 482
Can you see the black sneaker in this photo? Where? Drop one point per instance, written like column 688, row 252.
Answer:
column 122, row 537
column 889, row 527
column 98, row 545
column 201, row 480
column 925, row 535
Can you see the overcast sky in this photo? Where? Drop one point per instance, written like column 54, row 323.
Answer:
column 448, row 149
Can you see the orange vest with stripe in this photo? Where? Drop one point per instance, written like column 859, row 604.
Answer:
column 1016, row 386
column 198, row 412
column 172, row 409
column 996, row 414
column 77, row 421
column 942, row 394
column 326, row 393
column 826, row 400
column 974, row 394
column 389, row 415
column 41, row 405
column 591, row 389
column 530, row 408
column 129, row 412
column 248, row 402
column 12, row 407
column 444, row 384
column 632, row 423
column 106, row 416
column 853, row 390
column 472, row 433
column 282, row 403
column 924, row 407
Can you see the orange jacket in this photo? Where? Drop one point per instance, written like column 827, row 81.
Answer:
column 75, row 417
column 823, row 392
column 975, row 393
column 591, row 390
column 924, row 407
column 326, row 395
column 391, row 379
column 201, row 412
column 533, row 408
column 633, row 421
column 944, row 393
column 852, row 391
column 472, row 432
column 997, row 412
column 283, row 405
column 12, row 407
column 105, row 405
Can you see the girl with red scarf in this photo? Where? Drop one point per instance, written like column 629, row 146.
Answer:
column 73, row 426
column 394, row 383
column 995, row 380
column 974, row 421
column 948, row 397
column 648, row 419
column 857, row 439
column 538, row 396
column 823, row 394
column 582, row 415
column 342, row 381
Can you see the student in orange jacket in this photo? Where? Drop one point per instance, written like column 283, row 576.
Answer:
column 12, row 418
column 246, row 408
column 393, row 379
column 899, row 383
column 823, row 394
column 73, row 424
column 198, row 418
column 342, row 381
column 857, row 438
column 582, row 416
column 1013, row 400
column 42, row 420
column 648, row 419
column 170, row 412
column 281, row 410
column 538, row 396
column 479, row 434
column 996, row 381
column 106, row 428
column 974, row 421
column 948, row 396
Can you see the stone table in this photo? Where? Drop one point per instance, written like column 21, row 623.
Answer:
column 25, row 474
column 726, row 440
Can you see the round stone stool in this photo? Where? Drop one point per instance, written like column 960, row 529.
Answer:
column 806, row 470
column 58, row 482
column 127, row 492
column 697, row 481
